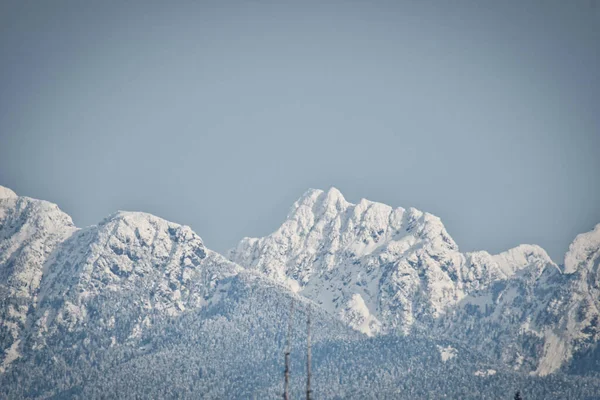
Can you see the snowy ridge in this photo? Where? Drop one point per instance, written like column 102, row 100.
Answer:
column 139, row 252
column 380, row 269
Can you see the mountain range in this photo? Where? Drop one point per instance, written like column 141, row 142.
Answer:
column 138, row 307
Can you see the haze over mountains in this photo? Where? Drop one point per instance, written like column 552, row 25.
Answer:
column 138, row 306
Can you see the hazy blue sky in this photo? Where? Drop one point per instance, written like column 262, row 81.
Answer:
column 220, row 114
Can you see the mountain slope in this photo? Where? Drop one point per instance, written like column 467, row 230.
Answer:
column 233, row 348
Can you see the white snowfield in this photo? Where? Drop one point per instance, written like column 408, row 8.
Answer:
column 381, row 270
column 447, row 353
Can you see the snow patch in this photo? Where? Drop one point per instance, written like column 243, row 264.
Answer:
column 11, row 354
column 555, row 353
column 488, row 372
column 357, row 315
column 447, row 353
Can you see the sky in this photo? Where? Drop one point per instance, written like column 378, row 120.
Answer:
column 220, row 114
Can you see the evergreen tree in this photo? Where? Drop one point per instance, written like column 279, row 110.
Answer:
column 518, row 396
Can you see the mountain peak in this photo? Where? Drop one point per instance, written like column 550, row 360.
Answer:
column 333, row 194
column 6, row 193
column 582, row 249
column 132, row 226
column 130, row 217
column 342, row 255
column 316, row 197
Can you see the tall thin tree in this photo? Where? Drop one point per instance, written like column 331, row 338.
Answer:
column 288, row 350
column 308, row 355
column 518, row 396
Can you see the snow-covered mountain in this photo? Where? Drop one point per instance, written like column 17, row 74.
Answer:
column 123, row 274
column 56, row 277
column 380, row 269
column 137, row 306
column 385, row 270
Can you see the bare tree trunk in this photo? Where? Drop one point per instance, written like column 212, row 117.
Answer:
column 308, row 355
column 286, row 388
